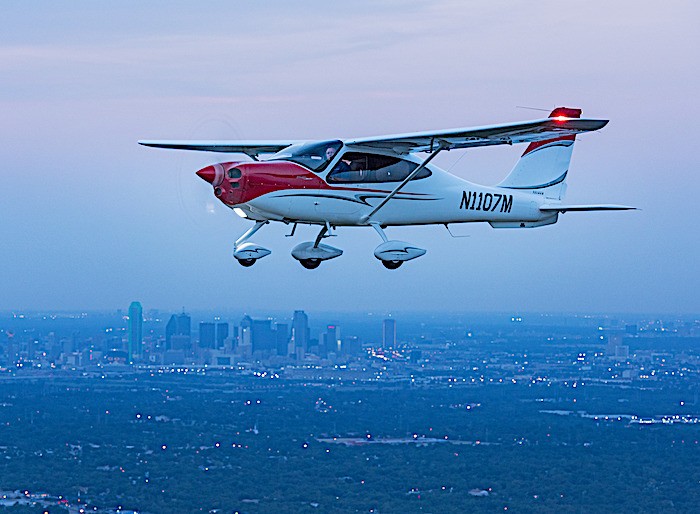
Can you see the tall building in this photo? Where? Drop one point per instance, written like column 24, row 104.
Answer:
column 245, row 338
column 207, row 335
column 300, row 333
column 231, row 342
column 351, row 345
column 263, row 337
column 135, row 330
column 389, row 333
column 282, row 339
column 11, row 348
column 178, row 332
column 221, row 334
column 330, row 341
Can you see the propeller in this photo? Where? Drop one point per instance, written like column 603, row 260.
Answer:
column 194, row 197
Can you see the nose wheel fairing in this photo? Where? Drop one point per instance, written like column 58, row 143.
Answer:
column 247, row 253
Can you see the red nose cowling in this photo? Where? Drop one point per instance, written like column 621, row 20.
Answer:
column 208, row 174
column 239, row 182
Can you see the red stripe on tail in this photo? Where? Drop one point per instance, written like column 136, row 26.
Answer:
column 565, row 112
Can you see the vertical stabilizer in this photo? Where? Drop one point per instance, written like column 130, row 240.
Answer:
column 544, row 164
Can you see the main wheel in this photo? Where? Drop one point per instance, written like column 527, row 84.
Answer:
column 310, row 263
column 246, row 263
column 392, row 264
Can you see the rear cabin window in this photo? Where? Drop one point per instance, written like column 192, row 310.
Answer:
column 368, row 168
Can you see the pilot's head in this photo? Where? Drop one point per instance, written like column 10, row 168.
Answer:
column 330, row 152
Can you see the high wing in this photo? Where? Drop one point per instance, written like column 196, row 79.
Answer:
column 504, row 134
column 251, row 148
column 565, row 208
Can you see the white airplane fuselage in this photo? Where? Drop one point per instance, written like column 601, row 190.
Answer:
column 437, row 199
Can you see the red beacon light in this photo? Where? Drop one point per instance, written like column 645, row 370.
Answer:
column 562, row 114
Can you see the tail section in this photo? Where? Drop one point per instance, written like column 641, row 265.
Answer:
column 544, row 164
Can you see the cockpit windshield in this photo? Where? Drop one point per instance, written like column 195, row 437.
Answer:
column 315, row 156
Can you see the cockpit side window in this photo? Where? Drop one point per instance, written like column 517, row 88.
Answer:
column 359, row 167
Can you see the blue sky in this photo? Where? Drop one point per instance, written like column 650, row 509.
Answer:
column 91, row 220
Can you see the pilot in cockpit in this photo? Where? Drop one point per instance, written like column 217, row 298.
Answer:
column 342, row 165
column 330, row 153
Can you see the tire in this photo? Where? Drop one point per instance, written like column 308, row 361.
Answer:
column 246, row 263
column 310, row 263
column 392, row 264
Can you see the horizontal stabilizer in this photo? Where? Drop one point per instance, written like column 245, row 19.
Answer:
column 565, row 208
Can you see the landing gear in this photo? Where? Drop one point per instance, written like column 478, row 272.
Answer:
column 247, row 253
column 311, row 254
column 310, row 263
column 393, row 254
column 392, row 264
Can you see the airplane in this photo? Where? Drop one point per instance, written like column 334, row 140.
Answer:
column 382, row 182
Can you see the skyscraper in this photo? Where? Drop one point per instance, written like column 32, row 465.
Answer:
column 389, row 333
column 351, row 345
column 263, row 337
column 178, row 328
column 135, row 330
column 221, row 334
column 331, row 342
column 170, row 331
column 282, row 339
column 207, row 335
column 245, row 341
column 300, row 333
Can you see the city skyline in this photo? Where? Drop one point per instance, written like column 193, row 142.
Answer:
column 216, row 338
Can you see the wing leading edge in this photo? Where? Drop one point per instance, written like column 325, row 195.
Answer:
column 503, row 134
column 251, row 148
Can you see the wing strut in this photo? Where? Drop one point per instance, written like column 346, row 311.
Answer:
column 441, row 146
